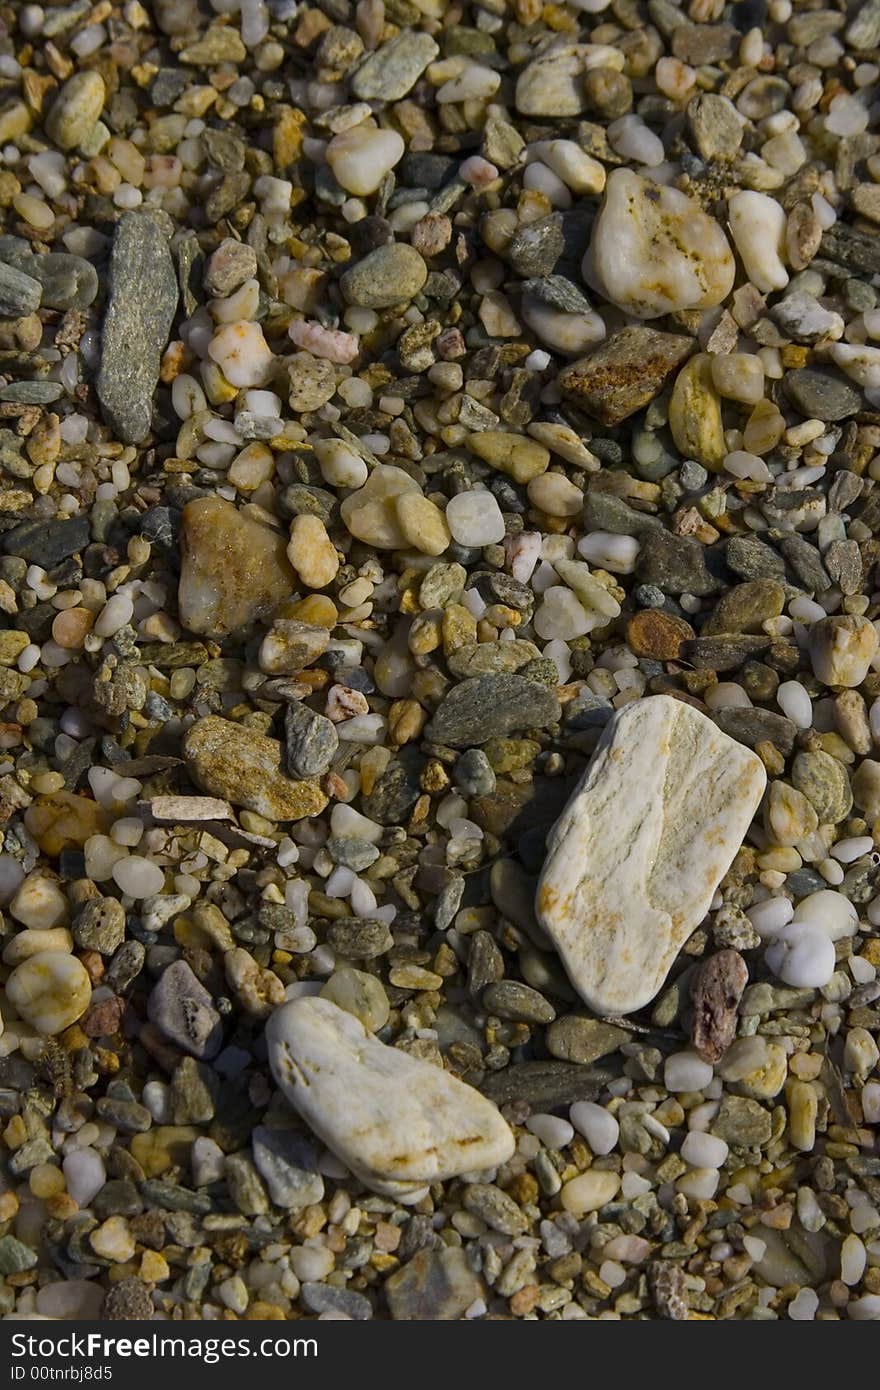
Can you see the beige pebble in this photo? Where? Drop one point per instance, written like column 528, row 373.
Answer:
column 311, row 552
column 422, row 523
column 49, row 991
column 589, row 1191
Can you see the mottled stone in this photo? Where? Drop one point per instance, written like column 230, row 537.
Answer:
column 245, row 767
column 183, row 1010
column 624, row 373
column 484, row 706
column 436, row 1285
column 143, row 299
column 233, row 570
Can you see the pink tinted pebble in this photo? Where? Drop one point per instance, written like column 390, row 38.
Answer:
column 331, row 343
column 478, row 171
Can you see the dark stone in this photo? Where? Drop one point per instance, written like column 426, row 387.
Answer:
column 47, row 542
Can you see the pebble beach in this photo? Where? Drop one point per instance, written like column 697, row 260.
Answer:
column 440, row 660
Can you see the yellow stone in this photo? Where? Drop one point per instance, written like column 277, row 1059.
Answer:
column 62, row 819
column 695, row 414
column 515, row 454
column 234, row 570
column 163, row 1147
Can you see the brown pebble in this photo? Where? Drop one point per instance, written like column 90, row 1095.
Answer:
column 656, row 634
column 716, row 990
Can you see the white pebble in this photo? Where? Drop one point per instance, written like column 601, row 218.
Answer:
column 703, row 1150
column 831, row 911
column 596, row 1124
column 138, row 877
column 552, row 1130
column 685, row 1071
column 84, row 1175
column 615, row 553
column 802, row 955
column 474, row 518
column 795, row 703
column 770, row 916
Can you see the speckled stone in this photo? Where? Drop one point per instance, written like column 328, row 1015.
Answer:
column 484, row 706
column 245, row 767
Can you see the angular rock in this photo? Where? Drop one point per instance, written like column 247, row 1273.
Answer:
column 183, row 1010
column 630, row 873
column 245, row 767
column 437, row 1285
column 484, row 706
column 841, row 649
column 233, row 570
column 287, row 1161
column 577, row 1038
column 19, row 293
column 754, row 726
column 398, row 1122
column 140, row 311
column 310, row 741
column 654, row 251
column 392, row 70
column 625, row 373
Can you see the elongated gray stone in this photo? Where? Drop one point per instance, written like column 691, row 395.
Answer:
column 635, row 858
column 19, row 293
column 143, row 298
column 399, row 1123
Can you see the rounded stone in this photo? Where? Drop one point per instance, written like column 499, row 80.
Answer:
column 391, row 274
column 49, row 991
column 76, row 109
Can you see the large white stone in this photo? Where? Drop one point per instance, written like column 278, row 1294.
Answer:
column 636, row 856
column 397, row 1122
column 654, row 251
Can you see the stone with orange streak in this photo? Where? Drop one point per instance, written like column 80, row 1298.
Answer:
column 398, row 1122
column 634, row 860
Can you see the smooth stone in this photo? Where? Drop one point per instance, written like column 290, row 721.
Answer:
column 654, row 251
column 183, row 1011
column 577, row 1038
column 629, row 876
column 625, row 373
column 362, row 156
column 393, row 69
column 20, row 294
column 841, row 649
column 821, row 395
column 50, row 991
column 754, row 726
column 484, row 706
column 245, row 767
column 233, row 570
column 141, row 307
column 398, row 1122
column 75, row 111
column 68, row 282
column 552, row 85
column 746, row 607
column 391, row 274
column 742, row 1123
column 757, row 225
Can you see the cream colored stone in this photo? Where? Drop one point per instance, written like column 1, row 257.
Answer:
column 396, row 1121
column 757, row 225
column 49, row 991
column 842, row 648
column 311, row 551
column 653, row 250
column 589, row 1191
column 635, row 858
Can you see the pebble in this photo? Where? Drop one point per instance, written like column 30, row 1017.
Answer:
column 474, row 518
column 137, row 323
column 361, row 157
column 436, row 1285
column 183, row 1010
column 310, row 741
column 245, row 767
column 589, row 1191
column 50, row 991
column 841, row 649
column 653, row 251
column 390, row 72
column 598, row 1126
column 287, row 1162
column 19, row 293
column 625, row 373
column 391, row 274
column 233, row 569
column 821, row 395
column 74, row 113
column 801, row 954
column 489, row 706
column 666, row 873
column 398, row 1122
column 757, row 225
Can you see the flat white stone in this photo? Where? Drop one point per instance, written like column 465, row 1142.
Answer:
column 396, row 1121
column 634, row 860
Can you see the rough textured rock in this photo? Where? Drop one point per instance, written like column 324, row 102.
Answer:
column 716, row 989
column 629, row 874
column 398, row 1122
column 233, row 570
column 625, row 373
column 245, row 767
column 484, row 706
column 143, row 298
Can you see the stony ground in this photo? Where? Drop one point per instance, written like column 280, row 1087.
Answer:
column 391, row 393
